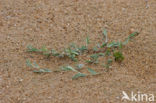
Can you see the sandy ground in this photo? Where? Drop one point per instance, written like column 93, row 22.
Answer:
column 57, row 23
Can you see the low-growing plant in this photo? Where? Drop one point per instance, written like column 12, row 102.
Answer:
column 118, row 56
column 30, row 48
column 130, row 37
column 94, row 58
column 105, row 36
column 106, row 49
column 68, row 68
column 78, row 75
column 87, row 41
column 92, row 71
column 36, row 67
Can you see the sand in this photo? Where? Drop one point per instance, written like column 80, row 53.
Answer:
column 56, row 24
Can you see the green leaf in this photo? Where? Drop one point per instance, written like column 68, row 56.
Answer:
column 71, row 54
column 68, row 68
column 30, row 48
column 131, row 36
column 94, row 56
column 89, row 61
column 120, row 45
column 82, row 49
column 115, row 44
column 55, row 53
column 87, row 41
column 109, row 61
column 105, row 35
column 112, row 44
column 47, row 53
column 108, row 52
column 95, row 49
column 118, row 56
column 74, row 52
column 105, row 32
column 103, row 45
column 42, row 71
column 28, row 63
column 72, row 57
column 78, row 75
column 43, row 49
column 101, row 54
column 92, row 71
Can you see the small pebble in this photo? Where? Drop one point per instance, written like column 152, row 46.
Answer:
column 131, row 31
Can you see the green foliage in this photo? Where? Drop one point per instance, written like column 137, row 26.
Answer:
column 37, row 67
column 55, row 53
column 30, row 48
column 28, row 63
column 95, row 49
column 115, row 44
column 87, row 41
column 108, row 52
column 94, row 58
column 73, row 51
column 130, row 37
column 82, row 49
column 68, row 68
column 118, row 56
column 32, row 65
column 109, row 61
column 103, row 45
column 78, row 75
column 92, row 71
column 42, row 71
column 44, row 49
column 105, row 35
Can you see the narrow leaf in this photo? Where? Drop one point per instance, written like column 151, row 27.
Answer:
column 82, row 48
column 105, row 32
column 105, row 35
column 109, row 61
column 78, row 75
column 68, row 68
column 130, row 37
column 32, row 49
column 87, row 41
column 28, row 63
column 92, row 71
column 42, row 71
column 95, row 49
